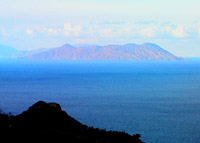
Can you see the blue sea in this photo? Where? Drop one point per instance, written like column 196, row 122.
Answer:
column 159, row 100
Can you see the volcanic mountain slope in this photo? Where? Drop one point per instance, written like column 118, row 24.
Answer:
column 24, row 53
column 147, row 51
column 47, row 122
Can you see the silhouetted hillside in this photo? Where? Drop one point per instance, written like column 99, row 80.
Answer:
column 47, row 122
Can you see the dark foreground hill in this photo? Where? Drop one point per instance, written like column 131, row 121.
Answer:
column 44, row 122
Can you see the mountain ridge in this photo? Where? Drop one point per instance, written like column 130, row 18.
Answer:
column 130, row 51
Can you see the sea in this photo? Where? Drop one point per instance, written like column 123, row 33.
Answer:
column 160, row 100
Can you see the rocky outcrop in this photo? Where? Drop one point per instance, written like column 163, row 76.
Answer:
column 47, row 122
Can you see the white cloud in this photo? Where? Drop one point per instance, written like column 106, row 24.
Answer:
column 125, row 31
column 77, row 29
column 67, row 29
column 148, row 32
column 86, row 40
column 4, row 33
column 30, row 32
column 40, row 29
column 178, row 32
column 53, row 31
column 199, row 31
column 107, row 33
column 72, row 30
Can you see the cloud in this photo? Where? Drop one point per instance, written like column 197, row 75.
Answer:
column 100, row 31
column 107, row 33
column 199, row 31
column 53, row 31
column 77, row 30
column 148, row 32
column 86, row 40
column 30, row 32
column 70, row 30
column 40, row 29
column 178, row 32
column 125, row 31
column 146, row 22
column 4, row 33
column 67, row 29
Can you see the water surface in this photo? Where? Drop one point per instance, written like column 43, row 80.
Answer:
column 159, row 100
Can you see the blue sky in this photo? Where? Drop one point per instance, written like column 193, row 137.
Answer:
column 33, row 24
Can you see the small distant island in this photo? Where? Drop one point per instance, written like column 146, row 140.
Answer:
column 47, row 122
column 144, row 52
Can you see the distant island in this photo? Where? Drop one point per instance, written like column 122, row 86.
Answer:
column 7, row 51
column 147, row 51
column 47, row 122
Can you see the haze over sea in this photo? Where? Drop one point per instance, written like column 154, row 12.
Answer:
column 159, row 100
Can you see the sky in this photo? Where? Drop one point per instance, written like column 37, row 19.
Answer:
column 34, row 24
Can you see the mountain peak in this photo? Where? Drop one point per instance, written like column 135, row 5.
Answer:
column 150, row 44
column 131, row 44
column 68, row 45
column 43, row 105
